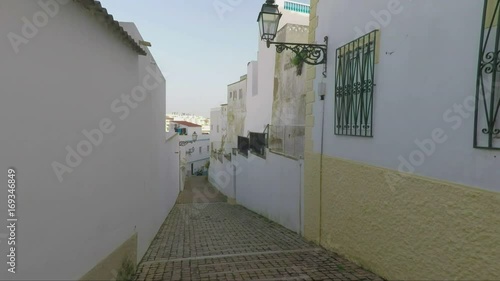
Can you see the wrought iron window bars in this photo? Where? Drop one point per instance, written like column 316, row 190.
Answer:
column 354, row 85
column 486, row 127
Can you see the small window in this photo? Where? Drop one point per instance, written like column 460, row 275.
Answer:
column 200, row 149
column 230, row 95
column 208, row 148
column 241, row 94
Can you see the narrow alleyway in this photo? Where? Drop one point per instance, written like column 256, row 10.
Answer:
column 213, row 240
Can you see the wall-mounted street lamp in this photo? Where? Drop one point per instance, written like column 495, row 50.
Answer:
column 269, row 19
column 194, row 139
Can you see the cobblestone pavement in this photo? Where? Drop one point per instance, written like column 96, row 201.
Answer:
column 219, row 241
column 199, row 190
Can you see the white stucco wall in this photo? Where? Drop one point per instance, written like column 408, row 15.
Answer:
column 252, row 91
column 215, row 120
column 271, row 187
column 64, row 81
column 218, row 118
column 236, row 111
column 422, row 81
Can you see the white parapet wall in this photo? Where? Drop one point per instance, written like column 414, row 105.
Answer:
column 271, row 187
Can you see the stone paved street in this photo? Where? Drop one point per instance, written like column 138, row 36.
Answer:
column 219, row 241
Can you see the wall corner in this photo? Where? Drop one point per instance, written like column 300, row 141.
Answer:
column 312, row 161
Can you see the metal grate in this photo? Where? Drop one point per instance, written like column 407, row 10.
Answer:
column 243, row 145
column 354, row 82
column 486, row 127
column 258, row 143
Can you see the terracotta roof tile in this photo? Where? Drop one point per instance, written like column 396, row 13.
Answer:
column 187, row 124
column 100, row 12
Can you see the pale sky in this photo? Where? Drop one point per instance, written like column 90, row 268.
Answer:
column 199, row 49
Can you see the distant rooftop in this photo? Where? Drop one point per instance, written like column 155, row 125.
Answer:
column 297, row 7
column 187, row 124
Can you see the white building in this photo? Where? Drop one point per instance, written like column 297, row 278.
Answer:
column 236, row 110
column 82, row 115
column 199, row 120
column 218, row 127
column 194, row 147
column 410, row 189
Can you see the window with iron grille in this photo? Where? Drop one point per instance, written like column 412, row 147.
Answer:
column 354, row 83
column 258, row 143
column 486, row 127
column 243, row 145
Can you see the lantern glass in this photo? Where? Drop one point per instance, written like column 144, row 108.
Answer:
column 269, row 19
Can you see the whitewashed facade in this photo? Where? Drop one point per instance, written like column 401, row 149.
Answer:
column 82, row 118
column 271, row 185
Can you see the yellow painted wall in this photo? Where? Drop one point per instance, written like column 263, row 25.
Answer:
column 417, row 229
column 108, row 268
column 490, row 12
column 311, row 162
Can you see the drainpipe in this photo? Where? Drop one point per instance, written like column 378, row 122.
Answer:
column 301, row 190
column 322, row 94
column 234, row 182
column 179, row 152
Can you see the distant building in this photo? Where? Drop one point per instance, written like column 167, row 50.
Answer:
column 194, row 146
column 198, row 120
column 105, row 161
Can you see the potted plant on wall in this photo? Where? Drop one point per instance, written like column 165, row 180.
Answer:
column 298, row 61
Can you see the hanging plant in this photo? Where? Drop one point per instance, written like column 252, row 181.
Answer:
column 298, row 61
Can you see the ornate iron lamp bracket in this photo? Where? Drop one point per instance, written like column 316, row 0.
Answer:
column 313, row 54
column 184, row 143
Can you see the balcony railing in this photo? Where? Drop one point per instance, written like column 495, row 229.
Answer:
column 287, row 140
column 297, row 7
